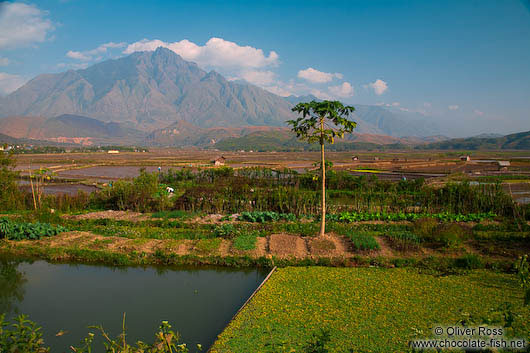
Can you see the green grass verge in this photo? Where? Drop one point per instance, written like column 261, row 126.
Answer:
column 245, row 242
column 369, row 309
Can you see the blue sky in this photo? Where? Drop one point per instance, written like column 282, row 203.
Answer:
column 459, row 63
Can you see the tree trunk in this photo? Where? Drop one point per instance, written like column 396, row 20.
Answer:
column 323, row 168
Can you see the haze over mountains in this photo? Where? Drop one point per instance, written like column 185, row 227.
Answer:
column 158, row 98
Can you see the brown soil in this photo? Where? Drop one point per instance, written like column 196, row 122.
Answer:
column 224, row 248
column 385, row 251
column 329, row 245
column 261, row 247
column 110, row 214
column 208, row 219
column 287, row 245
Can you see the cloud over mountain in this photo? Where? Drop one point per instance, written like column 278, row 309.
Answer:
column 315, row 76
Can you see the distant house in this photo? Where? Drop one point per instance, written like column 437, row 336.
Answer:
column 113, row 151
column 465, row 158
column 219, row 161
column 503, row 165
column 355, row 158
column 376, row 158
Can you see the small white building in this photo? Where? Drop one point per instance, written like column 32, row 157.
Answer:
column 219, row 161
column 113, row 151
column 465, row 158
column 503, row 165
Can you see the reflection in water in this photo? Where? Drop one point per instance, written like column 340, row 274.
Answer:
column 197, row 301
column 11, row 285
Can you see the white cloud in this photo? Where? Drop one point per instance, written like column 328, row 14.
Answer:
column 9, row 83
column 379, row 86
column 315, row 76
column 280, row 91
column 94, row 54
column 77, row 55
column 4, row 61
column 217, row 52
column 478, row 112
column 260, row 78
column 453, row 107
column 395, row 104
column 427, row 105
column 321, row 95
column 22, row 25
column 344, row 91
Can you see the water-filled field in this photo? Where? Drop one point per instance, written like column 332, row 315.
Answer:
column 197, row 301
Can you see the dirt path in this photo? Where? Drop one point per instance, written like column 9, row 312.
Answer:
column 385, row 251
column 286, row 246
column 110, row 214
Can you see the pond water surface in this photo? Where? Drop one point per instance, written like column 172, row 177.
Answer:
column 197, row 301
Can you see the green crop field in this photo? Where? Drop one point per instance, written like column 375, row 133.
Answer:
column 370, row 309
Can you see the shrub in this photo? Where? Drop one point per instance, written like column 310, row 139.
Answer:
column 425, row 227
column 469, row 262
column 21, row 336
column 143, row 194
column 523, row 273
column 225, row 231
column 10, row 195
column 449, row 235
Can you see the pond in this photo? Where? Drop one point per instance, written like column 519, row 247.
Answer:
column 106, row 173
column 197, row 301
column 59, row 188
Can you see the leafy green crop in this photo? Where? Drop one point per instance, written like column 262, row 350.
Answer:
column 266, row 216
column 402, row 216
column 27, row 231
column 404, row 240
column 363, row 241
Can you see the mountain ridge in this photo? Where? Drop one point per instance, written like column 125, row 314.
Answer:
column 151, row 90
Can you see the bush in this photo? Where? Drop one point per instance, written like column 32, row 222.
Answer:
column 25, row 336
column 225, row 231
column 449, row 235
column 143, row 194
column 21, row 336
column 10, row 195
column 469, row 262
column 425, row 227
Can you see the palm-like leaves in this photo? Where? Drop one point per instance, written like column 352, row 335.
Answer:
column 322, row 121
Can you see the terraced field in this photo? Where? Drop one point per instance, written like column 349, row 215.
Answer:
column 369, row 309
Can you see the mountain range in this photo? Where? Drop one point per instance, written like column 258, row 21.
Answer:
column 518, row 141
column 158, row 98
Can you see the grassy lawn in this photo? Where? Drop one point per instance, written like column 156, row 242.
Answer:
column 368, row 309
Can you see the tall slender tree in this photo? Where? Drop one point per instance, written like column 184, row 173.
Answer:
column 321, row 122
